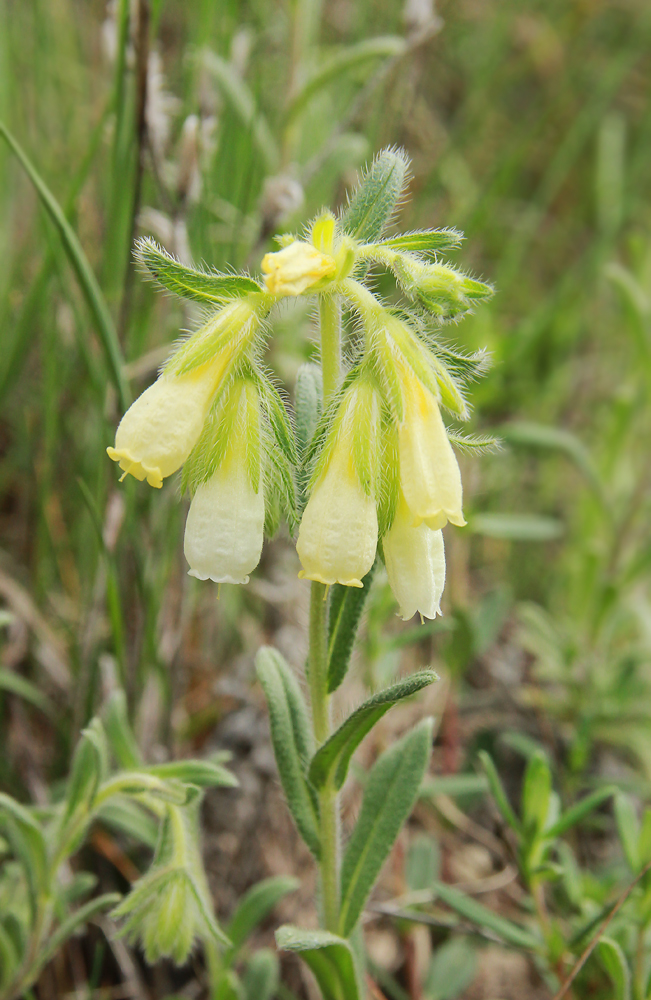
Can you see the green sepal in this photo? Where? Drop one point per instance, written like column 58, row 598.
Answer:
column 292, row 741
column 388, row 492
column 425, row 241
column 389, row 795
column 253, row 907
column 373, row 203
column 344, row 612
column 331, row 760
column 329, row 957
column 474, row 443
column 200, row 286
column 308, row 403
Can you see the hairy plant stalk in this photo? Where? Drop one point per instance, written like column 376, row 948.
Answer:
column 330, row 318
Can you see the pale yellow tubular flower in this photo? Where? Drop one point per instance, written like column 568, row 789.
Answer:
column 296, row 267
column 429, row 471
column 159, row 430
column 337, row 537
column 225, row 525
column 415, row 562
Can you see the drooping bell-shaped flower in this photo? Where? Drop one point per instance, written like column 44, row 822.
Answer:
column 429, row 471
column 224, row 529
column 296, row 267
column 337, row 537
column 159, row 430
column 415, row 562
column 225, row 526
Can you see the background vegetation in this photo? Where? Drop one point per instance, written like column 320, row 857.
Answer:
column 212, row 126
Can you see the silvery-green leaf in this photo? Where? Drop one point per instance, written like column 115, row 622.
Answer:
column 189, row 283
column 261, row 975
column 292, row 741
column 329, row 957
column 119, row 732
column 332, row 759
column 344, row 613
column 389, row 795
column 254, row 906
column 374, row 202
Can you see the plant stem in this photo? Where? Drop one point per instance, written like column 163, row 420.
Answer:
column 321, row 721
column 330, row 315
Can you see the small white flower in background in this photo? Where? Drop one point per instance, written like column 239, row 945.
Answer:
column 415, row 562
column 161, row 105
column 159, row 430
column 420, row 16
column 429, row 471
column 295, row 268
column 281, row 197
column 225, row 526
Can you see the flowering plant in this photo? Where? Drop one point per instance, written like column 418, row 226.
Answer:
column 368, row 474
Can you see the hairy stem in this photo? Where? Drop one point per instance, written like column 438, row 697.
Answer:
column 330, row 315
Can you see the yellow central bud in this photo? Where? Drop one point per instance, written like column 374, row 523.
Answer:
column 429, row 471
column 338, row 533
column 159, row 430
column 291, row 270
column 415, row 562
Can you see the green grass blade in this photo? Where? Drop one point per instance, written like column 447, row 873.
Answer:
column 87, row 280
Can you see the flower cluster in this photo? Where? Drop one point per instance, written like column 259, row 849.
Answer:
column 376, row 469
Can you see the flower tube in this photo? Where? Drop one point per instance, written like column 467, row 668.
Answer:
column 224, row 530
column 415, row 562
column 337, row 537
column 429, row 471
column 159, row 430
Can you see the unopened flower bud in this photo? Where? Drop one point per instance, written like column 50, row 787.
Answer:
column 429, row 471
column 296, row 267
column 415, row 562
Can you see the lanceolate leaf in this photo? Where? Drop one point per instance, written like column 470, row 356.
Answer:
column 333, row 758
column 203, row 773
column 254, row 907
column 344, row 613
column 390, row 793
column 375, row 200
column 290, row 734
column 73, row 922
column 498, row 792
column 329, row 957
column 425, row 241
column 483, row 917
column 201, row 286
column 615, row 964
column 27, row 842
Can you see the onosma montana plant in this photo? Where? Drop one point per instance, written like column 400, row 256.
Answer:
column 364, row 472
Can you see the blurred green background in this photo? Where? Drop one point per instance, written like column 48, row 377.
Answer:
column 212, row 125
